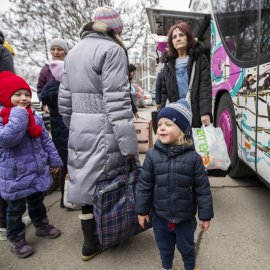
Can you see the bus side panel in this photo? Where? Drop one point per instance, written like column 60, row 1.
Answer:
column 263, row 120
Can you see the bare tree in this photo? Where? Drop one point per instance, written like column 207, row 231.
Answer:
column 30, row 24
column 135, row 19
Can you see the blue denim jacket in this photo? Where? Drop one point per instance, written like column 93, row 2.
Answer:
column 182, row 76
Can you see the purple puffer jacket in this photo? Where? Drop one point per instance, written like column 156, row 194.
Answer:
column 44, row 77
column 25, row 161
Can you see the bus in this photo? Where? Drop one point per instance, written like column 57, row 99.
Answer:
column 236, row 37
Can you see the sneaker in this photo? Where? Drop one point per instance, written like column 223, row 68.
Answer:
column 26, row 220
column 47, row 230
column 20, row 247
column 196, row 268
column 3, row 234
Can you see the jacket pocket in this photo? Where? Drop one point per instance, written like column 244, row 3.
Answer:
column 19, row 170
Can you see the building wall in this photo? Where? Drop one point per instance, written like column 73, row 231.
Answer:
column 146, row 68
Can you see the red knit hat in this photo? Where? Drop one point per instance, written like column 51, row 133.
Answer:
column 9, row 84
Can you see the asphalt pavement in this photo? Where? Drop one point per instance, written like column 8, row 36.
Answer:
column 239, row 236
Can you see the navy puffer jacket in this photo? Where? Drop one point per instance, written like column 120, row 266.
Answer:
column 174, row 182
column 49, row 96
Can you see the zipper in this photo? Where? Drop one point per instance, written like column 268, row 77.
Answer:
column 172, row 190
column 190, row 192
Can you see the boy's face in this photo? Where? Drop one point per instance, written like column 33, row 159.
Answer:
column 131, row 74
column 21, row 98
column 168, row 132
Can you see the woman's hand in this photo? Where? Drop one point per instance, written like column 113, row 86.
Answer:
column 21, row 106
column 205, row 225
column 136, row 115
column 46, row 109
column 55, row 170
column 205, row 119
column 142, row 219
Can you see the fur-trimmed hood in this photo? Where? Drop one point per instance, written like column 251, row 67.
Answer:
column 194, row 52
column 103, row 28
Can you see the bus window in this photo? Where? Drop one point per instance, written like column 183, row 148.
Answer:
column 265, row 26
column 238, row 24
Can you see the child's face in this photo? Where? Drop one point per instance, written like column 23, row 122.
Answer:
column 168, row 132
column 21, row 98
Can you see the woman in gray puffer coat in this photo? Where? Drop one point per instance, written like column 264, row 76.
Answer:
column 94, row 101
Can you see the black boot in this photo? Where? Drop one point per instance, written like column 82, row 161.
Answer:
column 62, row 201
column 91, row 245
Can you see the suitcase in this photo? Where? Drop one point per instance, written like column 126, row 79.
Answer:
column 144, row 134
column 154, row 120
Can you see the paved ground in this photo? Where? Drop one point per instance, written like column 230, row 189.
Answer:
column 239, row 237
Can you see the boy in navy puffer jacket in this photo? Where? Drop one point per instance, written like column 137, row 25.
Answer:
column 174, row 182
column 28, row 153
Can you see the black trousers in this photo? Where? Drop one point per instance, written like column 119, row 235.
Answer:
column 87, row 209
column 3, row 213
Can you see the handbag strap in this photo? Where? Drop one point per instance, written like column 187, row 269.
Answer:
column 130, row 164
column 192, row 76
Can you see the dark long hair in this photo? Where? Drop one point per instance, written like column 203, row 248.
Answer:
column 185, row 28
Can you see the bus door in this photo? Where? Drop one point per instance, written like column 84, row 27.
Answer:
column 263, row 93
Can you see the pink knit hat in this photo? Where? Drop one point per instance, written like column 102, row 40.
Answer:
column 110, row 17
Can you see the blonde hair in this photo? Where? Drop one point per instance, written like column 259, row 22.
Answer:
column 182, row 139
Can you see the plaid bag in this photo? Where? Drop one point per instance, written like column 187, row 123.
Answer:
column 114, row 212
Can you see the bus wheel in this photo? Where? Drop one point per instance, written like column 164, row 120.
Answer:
column 227, row 122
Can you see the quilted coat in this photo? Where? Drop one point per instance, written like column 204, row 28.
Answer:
column 6, row 60
column 44, row 77
column 175, row 177
column 201, row 91
column 94, row 101
column 25, row 161
column 59, row 131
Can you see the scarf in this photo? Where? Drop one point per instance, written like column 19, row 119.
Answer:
column 34, row 130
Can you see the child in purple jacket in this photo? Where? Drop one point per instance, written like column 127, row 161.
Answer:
column 28, row 153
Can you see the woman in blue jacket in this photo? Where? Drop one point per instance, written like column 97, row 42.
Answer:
column 173, row 181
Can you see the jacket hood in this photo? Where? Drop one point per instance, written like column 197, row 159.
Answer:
column 168, row 58
column 173, row 150
column 98, row 26
column 194, row 52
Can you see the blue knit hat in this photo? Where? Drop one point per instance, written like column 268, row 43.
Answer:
column 179, row 112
